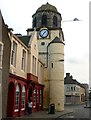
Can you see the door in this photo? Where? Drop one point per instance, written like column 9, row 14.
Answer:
column 10, row 103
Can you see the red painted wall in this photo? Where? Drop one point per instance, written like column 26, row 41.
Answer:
column 29, row 84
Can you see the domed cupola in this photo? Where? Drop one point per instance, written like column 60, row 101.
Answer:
column 47, row 7
column 47, row 16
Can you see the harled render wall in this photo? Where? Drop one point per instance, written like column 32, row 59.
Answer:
column 5, row 67
column 56, row 70
column 0, row 68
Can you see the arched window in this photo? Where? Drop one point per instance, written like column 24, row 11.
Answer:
column 17, row 100
column 34, row 22
column 23, row 97
column 44, row 20
column 55, row 21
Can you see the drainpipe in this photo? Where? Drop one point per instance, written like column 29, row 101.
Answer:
column 47, row 56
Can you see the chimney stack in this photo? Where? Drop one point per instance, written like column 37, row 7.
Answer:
column 67, row 74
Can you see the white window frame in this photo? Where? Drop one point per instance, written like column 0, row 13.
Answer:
column 13, row 53
column 35, row 98
column 17, row 97
column 23, row 63
column 1, row 54
column 40, row 97
column 23, row 97
column 34, row 65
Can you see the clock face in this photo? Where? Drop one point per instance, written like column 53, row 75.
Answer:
column 44, row 33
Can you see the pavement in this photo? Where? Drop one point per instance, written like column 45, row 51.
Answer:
column 45, row 114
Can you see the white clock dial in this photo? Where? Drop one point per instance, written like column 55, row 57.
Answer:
column 44, row 33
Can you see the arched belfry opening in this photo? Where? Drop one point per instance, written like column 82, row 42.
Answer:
column 55, row 21
column 34, row 22
column 47, row 16
column 44, row 20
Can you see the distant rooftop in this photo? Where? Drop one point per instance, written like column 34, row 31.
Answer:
column 69, row 80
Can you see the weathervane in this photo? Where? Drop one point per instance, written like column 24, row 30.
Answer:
column 75, row 19
column 47, row 1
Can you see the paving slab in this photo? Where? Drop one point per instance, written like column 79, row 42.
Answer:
column 45, row 114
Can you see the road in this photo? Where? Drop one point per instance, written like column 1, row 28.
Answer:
column 78, row 111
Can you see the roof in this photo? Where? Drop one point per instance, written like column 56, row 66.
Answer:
column 24, row 39
column 70, row 80
column 56, row 40
column 47, row 7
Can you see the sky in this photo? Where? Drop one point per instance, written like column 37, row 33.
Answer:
column 17, row 14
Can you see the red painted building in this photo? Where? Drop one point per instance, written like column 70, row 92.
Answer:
column 19, row 91
column 24, row 80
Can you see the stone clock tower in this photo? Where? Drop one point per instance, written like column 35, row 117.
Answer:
column 47, row 21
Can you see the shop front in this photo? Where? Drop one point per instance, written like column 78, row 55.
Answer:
column 20, row 91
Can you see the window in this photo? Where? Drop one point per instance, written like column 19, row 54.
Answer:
column 40, row 97
column 23, row 60
column 34, row 22
column 35, row 46
column 34, row 65
column 42, row 43
column 1, row 54
column 17, row 97
column 67, row 88
column 35, row 97
column 13, row 54
column 23, row 97
column 52, row 65
column 44, row 20
column 54, row 21
column 74, row 88
column 71, row 88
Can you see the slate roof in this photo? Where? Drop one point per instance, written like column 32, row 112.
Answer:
column 24, row 39
column 56, row 40
column 70, row 80
column 47, row 7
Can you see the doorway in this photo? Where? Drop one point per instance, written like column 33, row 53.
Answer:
column 30, row 94
column 10, row 103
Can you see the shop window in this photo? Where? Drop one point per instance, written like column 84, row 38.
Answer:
column 23, row 60
column 17, row 97
column 34, row 102
column 23, row 97
column 13, row 54
column 40, row 97
column 44, row 20
column 37, row 95
column 55, row 21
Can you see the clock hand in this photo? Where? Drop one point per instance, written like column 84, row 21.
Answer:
column 44, row 32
